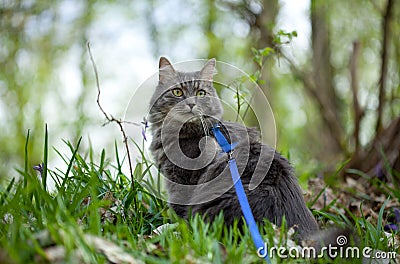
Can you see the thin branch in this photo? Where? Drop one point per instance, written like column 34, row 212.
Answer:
column 358, row 112
column 110, row 118
column 385, row 61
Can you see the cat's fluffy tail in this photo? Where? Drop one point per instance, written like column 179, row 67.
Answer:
column 331, row 242
column 334, row 237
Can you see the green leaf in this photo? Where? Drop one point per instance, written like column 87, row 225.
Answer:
column 266, row 51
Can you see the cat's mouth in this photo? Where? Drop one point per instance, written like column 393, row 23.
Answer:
column 194, row 118
column 186, row 117
column 192, row 115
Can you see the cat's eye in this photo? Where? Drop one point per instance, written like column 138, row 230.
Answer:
column 200, row 93
column 177, row 92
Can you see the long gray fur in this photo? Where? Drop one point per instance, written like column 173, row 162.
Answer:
column 182, row 142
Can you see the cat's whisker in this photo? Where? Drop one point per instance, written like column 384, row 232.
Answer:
column 204, row 123
column 157, row 118
column 161, row 119
column 203, row 126
column 156, row 122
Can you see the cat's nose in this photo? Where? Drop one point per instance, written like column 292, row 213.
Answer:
column 191, row 105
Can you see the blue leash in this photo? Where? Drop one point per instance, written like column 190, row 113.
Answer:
column 244, row 203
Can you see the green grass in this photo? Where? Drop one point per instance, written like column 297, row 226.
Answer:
column 93, row 204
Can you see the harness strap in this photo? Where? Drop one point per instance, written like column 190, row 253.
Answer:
column 244, row 203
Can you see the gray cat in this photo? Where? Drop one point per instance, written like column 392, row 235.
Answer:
column 183, row 109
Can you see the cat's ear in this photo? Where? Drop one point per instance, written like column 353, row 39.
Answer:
column 166, row 71
column 207, row 73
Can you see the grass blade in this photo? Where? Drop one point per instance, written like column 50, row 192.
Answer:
column 26, row 160
column 45, row 157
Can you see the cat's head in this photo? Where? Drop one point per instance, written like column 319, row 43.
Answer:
column 185, row 96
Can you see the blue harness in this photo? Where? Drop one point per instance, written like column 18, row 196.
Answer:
column 244, row 203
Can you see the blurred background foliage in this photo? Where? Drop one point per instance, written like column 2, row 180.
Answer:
column 336, row 97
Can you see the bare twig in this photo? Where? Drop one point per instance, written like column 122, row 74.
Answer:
column 110, row 118
column 358, row 112
column 385, row 61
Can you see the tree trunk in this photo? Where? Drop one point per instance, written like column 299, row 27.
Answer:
column 382, row 155
column 322, row 88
